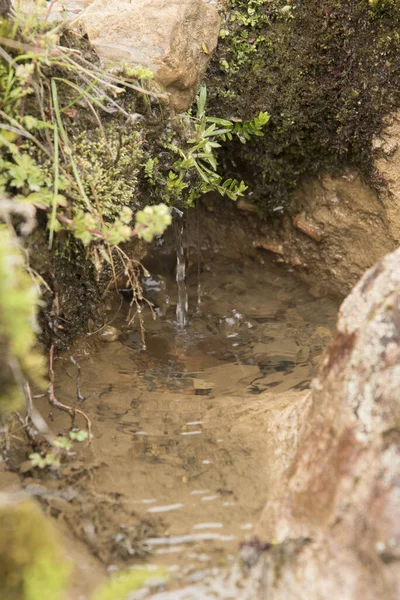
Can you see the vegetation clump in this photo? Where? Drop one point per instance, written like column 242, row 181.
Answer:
column 327, row 74
column 31, row 564
column 190, row 164
column 19, row 301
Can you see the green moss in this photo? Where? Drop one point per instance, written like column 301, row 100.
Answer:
column 121, row 586
column 109, row 164
column 327, row 73
column 19, row 299
column 31, row 566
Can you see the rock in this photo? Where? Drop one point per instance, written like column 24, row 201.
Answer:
column 388, row 164
column 109, row 334
column 174, row 38
column 246, row 205
column 5, row 6
column 308, row 227
column 284, row 350
column 342, row 489
column 273, row 247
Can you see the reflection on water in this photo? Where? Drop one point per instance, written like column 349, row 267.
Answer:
column 181, row 429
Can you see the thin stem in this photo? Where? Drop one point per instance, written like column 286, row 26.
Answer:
column 65, row 139
column 56, row 185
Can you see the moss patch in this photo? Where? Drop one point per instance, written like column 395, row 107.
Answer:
column 327, row 72
column 31, row 565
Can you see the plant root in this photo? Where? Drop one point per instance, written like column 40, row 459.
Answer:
column 72, row 411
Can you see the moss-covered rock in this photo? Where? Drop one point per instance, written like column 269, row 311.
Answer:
column 327, row 72
column 31, row 564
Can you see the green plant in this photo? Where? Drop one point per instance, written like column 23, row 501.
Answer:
column 19, row 301
column 73, row 168
column 42, row 461
column 31, row 564
column 194, row 171
column 64, row 443
column 60, row 448
column 327, row 96
column 78, row 436
column 243, row 30
column 121, row 585
column 85, row 184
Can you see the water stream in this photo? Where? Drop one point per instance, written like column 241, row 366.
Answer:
column 182, row 303
column 176, row 474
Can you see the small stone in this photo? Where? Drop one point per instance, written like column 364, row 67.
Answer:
column 202, row 385
column 109, row 334
column 274, row 247
column 377, row 142
column 285, row 350
column 322, row 332
column 307, row 227
column 246, row 205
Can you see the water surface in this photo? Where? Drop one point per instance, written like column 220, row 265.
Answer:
column 180, row 429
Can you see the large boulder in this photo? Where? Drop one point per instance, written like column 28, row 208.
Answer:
column 174, row 38
column 340, row 499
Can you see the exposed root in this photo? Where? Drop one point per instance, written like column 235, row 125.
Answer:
column 79, row 395
column 72, row 411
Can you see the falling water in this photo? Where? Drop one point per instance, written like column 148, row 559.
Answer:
column 199, row 291
column 182, row 304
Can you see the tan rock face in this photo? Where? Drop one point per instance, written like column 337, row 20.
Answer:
column 342, row 490
column 339, row 227
column 388, row 165
column 174, row 38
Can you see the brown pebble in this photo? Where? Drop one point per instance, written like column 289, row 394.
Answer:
column 270, row 246
column 109, row 334
column 310, row 229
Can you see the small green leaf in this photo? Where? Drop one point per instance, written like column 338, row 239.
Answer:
column 201, row 101
column 78, row 436
column 63, row 442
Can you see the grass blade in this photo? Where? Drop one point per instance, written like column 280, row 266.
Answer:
column 56, row 185
column 65, row 140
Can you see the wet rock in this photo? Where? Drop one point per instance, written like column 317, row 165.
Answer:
column 174, row 39
column 284, row 350
column 322, row 332
column 343, row 487
column 109, row 334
